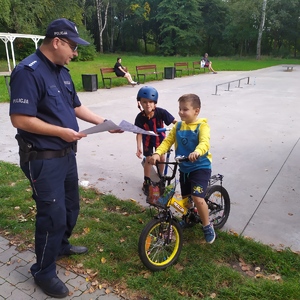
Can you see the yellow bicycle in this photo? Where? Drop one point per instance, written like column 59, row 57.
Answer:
column 160, row 242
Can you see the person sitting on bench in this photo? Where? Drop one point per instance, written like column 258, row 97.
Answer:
column 120, row 71
column 208, row 63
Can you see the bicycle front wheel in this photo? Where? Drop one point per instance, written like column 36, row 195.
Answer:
column 160, row 244
column 218, row 202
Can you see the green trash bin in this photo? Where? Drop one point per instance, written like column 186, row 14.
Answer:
column 169, row 72
column 90, row 82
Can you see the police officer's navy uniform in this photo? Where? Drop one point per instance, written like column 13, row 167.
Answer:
column 44, row 90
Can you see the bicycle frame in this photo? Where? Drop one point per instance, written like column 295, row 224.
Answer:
column 181, row 205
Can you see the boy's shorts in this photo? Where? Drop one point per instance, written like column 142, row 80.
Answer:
column 148, row 151
column 194, row 183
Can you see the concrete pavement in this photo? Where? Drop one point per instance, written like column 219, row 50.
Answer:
column 16, row 282
column 255, row 133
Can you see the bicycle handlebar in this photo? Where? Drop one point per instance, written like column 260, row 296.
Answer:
column 164, row 129
column 181, row 158
column 175, row 163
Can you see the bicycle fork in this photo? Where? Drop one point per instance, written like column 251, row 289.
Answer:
column 166, row 233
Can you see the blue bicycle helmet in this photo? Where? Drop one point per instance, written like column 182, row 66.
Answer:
column 147, row 92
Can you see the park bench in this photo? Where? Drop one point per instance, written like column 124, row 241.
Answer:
column 108, row 74
column 197, row 66
column 288, row 68
column 182, row 66
column 145, row 70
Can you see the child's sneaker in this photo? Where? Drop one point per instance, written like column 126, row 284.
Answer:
column 209, row 233
column 145, row 188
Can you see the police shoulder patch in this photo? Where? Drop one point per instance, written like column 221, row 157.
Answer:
column 31, row 62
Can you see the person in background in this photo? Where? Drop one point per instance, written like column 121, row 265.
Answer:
column 150, row 118
column 208, row 63
column 44, row 108
column 121, row 71
column 191, row 137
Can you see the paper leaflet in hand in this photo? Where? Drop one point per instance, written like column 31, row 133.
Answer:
column 110, row 125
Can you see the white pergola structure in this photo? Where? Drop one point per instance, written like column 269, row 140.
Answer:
column 10, row 37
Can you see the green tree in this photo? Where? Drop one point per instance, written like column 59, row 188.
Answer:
column 181, row 23
column 219, row 27
column 33, row 17
column 214, row 14
column 283, row 25
column 154, row 24
column 122, row 28
column 4, row 14
column 140, row 15
column 241, row 30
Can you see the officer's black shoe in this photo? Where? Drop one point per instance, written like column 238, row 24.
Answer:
column 73, row 250
column 53, row 287
column 77, row 250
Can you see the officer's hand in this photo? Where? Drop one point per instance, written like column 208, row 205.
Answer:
column 116, row 131
column 70, row 135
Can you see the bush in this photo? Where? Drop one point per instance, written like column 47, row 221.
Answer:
column 86, row 53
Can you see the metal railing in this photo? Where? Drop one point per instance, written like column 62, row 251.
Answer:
column 229, row 82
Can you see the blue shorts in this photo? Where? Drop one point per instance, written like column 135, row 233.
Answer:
column 194, row 183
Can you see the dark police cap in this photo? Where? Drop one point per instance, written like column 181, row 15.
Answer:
column 63, row 28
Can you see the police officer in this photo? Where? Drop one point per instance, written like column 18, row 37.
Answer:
column 44, row 108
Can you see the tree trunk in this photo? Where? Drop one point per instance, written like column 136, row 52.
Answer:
column 112, row 35
column 261, row 28
column 101, row 26
column 145, row 42
column 112, row 30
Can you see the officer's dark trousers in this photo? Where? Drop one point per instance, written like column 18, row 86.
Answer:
column 54, row 184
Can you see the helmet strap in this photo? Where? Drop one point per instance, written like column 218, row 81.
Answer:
column 139, row 106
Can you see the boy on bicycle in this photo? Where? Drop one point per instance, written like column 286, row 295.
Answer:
column 191, row 137
column 150, row 118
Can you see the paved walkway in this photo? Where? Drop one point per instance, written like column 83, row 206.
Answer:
column 255, row 140
column 16, row 281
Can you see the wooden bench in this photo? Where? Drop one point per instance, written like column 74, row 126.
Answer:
column 288, row 68
column 108, row 74
column 152, row 70
column 180, row 67
column 197, row 66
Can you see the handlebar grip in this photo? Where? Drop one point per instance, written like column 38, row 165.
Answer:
column 158, row 130
column 181, row 158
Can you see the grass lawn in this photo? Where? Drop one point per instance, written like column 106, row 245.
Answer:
column 232, row 268
column 130, row 61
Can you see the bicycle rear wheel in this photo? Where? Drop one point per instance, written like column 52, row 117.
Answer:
column 218, row 202
column 160, row 244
